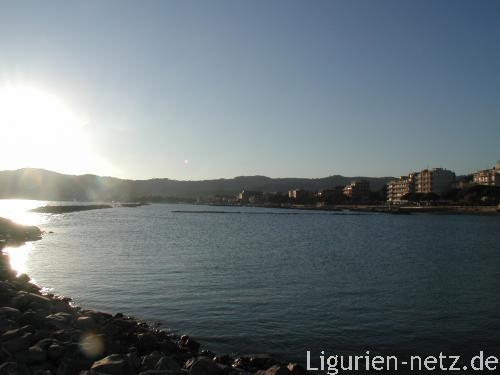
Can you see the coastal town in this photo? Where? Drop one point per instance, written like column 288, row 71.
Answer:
column 436, row 186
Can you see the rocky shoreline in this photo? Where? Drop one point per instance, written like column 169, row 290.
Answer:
column 13, row 234
column 46, row 334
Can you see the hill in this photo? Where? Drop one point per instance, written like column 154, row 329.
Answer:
column 41, row 184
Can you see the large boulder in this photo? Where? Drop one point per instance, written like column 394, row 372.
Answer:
column 147, row 342
column 261, row 361
column 24, row 301
column 18, row 344
column 9, row 313
column 85, row 323
column 167, row 363
column 205, row 366
column 297, row 369
column 168, row 347
column 149, row 361
column 188, row 343
column 62, row 305
column 278, row 370
column 134, row 360
column 114, row 364
column 35, row 318
column 60, row 320
column 253, row 362
column 44, row 343
column 55, row 352
column 33, row 355
column 15, row 333
column 13, row 368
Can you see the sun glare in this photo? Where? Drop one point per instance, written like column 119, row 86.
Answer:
column 19, row 257
column 38, row 129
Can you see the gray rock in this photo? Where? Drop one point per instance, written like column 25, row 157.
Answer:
column 6, row 290
column 115, row 364
column 168, row 347
column 189, row 343
column 42, row 372
column 8, row 368
column 33, row 355
column 205, row 366
column 148, row 362
column 12, row 334
column 71, row 366
column 40, row 334
column 18, row 344
column 62, row 305
column 134, row 360
column 24, row 301
column 147, row 342
column 261, row 361
column 297, row 369
column 33, row 317
column 44, row 343
column 9, row 313
column 13, row 368
column 7, row 324
column 55, row 352
column 85, row 323
column 278, row 370
column 97, row 315
column 23, row 278
column 167, row 363
column 59, row 320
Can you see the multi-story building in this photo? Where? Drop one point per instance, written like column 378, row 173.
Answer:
column 247, row 196
column 358, row 191
column 437, row 181
column 298, row 194
column 334, row 195
column 401, row 189
column 489, row 177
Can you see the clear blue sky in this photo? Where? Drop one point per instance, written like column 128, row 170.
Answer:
column 278, row 88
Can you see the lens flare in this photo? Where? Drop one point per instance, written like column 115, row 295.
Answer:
column 92, row 345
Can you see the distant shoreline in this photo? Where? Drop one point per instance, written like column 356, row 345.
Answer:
column 394, row 209
column 61, row 209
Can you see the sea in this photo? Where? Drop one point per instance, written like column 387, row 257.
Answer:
column 255, row 280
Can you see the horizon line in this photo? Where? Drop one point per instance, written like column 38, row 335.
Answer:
column 219, row 178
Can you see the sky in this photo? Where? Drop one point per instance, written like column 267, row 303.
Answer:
column 215, row 89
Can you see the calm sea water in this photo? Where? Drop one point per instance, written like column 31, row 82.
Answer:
column 279, row 281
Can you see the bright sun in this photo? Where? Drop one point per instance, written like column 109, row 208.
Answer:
column 40, row 130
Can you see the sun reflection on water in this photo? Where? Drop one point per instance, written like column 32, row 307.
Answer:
column 18, row 210
column 18, row 257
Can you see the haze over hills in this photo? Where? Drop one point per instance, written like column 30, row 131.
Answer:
column 41, row 184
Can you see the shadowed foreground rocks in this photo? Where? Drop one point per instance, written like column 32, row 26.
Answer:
column 44, row 334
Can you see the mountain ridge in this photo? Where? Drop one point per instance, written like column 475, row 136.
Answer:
column 42, row 184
